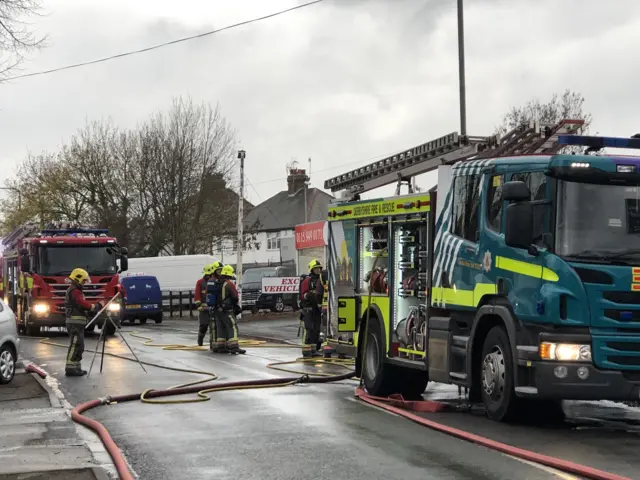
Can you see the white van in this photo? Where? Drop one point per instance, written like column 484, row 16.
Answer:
column 177, row 273
column 9, row 344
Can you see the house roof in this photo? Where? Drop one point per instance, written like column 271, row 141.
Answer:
column 284, row 211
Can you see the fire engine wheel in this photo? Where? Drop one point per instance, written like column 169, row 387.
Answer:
column 497, row 390
column 279, row 305
column 31, row 330
column 110, row 328
column 380, row 378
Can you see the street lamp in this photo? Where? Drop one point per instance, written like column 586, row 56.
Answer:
column 19, row 195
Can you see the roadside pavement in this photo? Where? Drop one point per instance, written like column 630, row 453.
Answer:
column 38, row 439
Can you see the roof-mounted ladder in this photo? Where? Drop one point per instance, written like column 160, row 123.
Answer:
column 528, row 139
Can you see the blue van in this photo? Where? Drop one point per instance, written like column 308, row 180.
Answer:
column 144, row 299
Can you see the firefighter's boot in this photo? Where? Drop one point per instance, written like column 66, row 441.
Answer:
column 200, row 339
column 75, row 373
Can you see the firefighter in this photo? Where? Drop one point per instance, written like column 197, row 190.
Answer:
column 311, row 293
column 213, row 292
column 228, row 308
column 76, row 309
column 200, row 296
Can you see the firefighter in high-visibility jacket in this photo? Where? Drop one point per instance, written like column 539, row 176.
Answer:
column 200, row 296
column 213, row 292
column 76, row 309
column 227, row 308
column 311, row 293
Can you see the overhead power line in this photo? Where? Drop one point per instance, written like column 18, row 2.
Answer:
column 161, row 45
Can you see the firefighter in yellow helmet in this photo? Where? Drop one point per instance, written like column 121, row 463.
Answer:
column 200, row 297
column 311, row 293
column 76, row 309
column 228, row 307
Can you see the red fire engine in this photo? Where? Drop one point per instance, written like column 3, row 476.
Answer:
column 36, row 264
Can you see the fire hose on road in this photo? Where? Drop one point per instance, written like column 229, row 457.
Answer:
column 201, row 388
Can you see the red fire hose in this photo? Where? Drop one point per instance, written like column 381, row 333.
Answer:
column 125, row 474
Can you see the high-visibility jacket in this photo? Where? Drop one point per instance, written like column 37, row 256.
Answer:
column 200, row 294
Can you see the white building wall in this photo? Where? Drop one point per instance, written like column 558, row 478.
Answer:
column 266, row 253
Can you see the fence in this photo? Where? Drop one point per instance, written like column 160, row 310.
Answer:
column 180, row 302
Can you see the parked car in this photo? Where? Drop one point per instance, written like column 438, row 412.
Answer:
column 9, row 343
column 254, row 299
column 143, row 299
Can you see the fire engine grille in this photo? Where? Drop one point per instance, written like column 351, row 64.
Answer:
column 90, row 291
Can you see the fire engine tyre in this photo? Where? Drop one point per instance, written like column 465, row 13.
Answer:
column 109, row 328
column 414, row 384
column 278, row 306
column 32, row 330
column 496, row 376
column 380, row 378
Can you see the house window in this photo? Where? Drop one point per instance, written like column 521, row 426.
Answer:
column 273, row 241
column 466, row 207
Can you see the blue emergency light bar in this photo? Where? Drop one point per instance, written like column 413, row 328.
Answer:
column 72, row 231
column 599, row 142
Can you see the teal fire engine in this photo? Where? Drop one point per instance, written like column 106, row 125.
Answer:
column 517, row 276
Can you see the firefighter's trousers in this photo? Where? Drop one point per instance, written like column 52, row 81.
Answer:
column 312, row 319
column 204, row 321
column 226, row 331
column 75, row 327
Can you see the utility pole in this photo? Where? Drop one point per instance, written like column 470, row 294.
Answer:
column 306, row 186
column 463, row 93
column 241, row 155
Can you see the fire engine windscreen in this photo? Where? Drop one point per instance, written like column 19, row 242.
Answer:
column 598, row 221
column 60, row 260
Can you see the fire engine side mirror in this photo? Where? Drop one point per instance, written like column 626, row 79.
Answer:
column 519, row 228
column 124, row 263
column 25, row 264
column 515, row 191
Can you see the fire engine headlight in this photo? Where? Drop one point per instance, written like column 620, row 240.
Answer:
column 565, row 352
column 114, row 307
column 40, row 308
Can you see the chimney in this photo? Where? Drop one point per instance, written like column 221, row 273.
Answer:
column 296, row 180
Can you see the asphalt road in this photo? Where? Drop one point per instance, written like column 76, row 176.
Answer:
column 283, row 433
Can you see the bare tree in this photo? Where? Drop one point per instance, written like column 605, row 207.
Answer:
column 16, row 36
column 163, row 186
column 569, row 105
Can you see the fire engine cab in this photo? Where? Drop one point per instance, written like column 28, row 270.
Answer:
column 35, row 265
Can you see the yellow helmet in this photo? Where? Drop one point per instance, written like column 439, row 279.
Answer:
column 80, row 275
column 215, row 266
column 314, row 264
column 209, row 269
column 227, row 271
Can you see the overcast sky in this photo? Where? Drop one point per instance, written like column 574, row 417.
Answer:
column 343, row 82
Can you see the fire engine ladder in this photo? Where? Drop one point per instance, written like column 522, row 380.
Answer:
column 28, row 229
column 528, row 139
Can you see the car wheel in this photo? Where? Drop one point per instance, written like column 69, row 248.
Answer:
column 7, row 364
column 279, row 305
column 158, row 318
column 143, row 321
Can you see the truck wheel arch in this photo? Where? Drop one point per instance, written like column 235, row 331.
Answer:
column 489, row 316
column 374, row 316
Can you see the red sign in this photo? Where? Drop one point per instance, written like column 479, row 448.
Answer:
column 280, row 284
column 309, row 235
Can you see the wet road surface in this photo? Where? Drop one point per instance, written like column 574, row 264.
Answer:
column 292, row 432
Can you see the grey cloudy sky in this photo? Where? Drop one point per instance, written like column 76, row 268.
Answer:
column 343, row 82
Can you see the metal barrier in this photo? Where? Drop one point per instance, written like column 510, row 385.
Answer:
column 178, row 302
